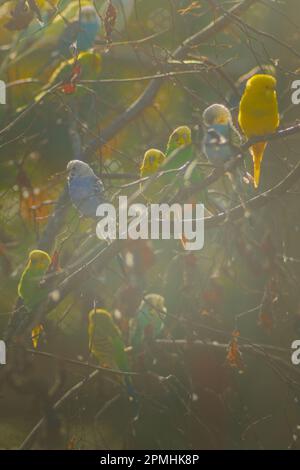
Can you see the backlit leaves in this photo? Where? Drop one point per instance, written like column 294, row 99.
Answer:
column 234, row 355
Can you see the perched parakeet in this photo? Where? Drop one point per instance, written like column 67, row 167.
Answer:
column 41, row 47
column 221, row 138
column 29, row 288
column 234, row 98
column 107, row 346
column 89, row 24
column 258, row 115
column 179, row 152
column 221, row 143
column 31, row 292
column 73, row 26
column 86, row 190
column 181, row 141
column 149, row 320
column 81, row 32
column 152, row 161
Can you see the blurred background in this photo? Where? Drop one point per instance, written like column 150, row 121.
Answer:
column 219, row 375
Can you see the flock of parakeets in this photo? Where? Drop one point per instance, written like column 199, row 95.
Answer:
column 55, row 48
column 258, row 115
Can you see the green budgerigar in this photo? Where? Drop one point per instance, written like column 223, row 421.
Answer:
column 179, row 148
column 152, row 162
column 148, row 322
column 107, row 346
column 29, row 288
column 30, row 292
column 179, row 152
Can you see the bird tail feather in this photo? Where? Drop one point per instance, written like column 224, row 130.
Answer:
column 257, row 151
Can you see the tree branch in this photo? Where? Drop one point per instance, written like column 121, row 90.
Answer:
column 141, row 103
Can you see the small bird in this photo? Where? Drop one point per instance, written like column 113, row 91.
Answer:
column 221, row 143
column 180, row 139
column 148, row 322
column 258, row 115
column 87, row 193
column 29, row 288
column 152, row 161
column 179, row 152
column 221, row 138
column 107, row 346
column 30, row 291
column 82, row 32
column 233, row 98
column 86, row 190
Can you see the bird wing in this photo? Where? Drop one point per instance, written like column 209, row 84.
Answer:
column 98, row 188
column 234, row 137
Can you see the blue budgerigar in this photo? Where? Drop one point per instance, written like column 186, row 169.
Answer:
column 86, row 190
column 221, row 138
column 221, row 143
column 82, row 32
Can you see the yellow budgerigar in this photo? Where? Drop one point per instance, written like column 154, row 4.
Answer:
column 258, row 114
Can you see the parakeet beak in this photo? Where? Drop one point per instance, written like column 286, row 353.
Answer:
column 222, row 120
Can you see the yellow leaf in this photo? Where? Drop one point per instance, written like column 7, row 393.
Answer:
column 35, row 335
